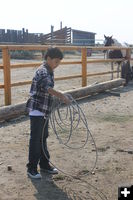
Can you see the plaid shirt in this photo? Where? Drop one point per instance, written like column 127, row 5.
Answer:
column 40, row 99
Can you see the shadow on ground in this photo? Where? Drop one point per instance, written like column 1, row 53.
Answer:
column 48, row 190
column 114, row 92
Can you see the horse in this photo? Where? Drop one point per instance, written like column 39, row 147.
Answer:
column 126, row 70
column 116, row 53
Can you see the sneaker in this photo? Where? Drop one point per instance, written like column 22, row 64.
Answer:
column 49, row 169
column 33, row 173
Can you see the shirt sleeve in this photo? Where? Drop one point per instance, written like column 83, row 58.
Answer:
column 46, row 82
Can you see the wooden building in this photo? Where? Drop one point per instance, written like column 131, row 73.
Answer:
column 60, row 37
column 69, row 36
column 83, row 38
column 63, row 36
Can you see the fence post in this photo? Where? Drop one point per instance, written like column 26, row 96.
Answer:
column 84, row 67
column 7, row 76
column 128, row 54
column 112, row 69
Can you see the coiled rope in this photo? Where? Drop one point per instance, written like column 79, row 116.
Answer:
column 64, row 120
column 67, row 122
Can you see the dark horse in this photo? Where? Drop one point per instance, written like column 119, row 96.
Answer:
column 112, row 53
column 126, row 71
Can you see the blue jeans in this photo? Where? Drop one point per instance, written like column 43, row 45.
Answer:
column 36, row 155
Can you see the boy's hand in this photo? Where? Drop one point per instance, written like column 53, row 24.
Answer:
column 65, row 99
column 59, row 95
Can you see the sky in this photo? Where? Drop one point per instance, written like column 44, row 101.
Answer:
column 109, row 17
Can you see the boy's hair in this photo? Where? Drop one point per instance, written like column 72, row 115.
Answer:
column 54, row 52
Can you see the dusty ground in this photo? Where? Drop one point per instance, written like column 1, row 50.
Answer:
column 20, row 93
column 110, row 120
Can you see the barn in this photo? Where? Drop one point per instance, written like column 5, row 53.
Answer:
column 69, row 36
column 82, row 38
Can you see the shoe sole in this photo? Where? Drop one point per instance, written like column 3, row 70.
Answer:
column 34, row 177
column 48, row 171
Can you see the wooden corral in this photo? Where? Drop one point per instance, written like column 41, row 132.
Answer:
column 7, row 66
column 60, row 37
column 18, row 36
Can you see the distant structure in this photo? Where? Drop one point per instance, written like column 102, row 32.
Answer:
column 18, row 36
column 69, row 36
column 83, row 38
column 63, row 36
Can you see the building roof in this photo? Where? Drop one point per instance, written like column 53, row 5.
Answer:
column 83, row 31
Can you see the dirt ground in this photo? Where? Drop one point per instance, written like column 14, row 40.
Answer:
column 20, row 93
column 110, row 121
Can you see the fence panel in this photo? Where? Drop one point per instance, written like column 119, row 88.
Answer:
column 7, row 66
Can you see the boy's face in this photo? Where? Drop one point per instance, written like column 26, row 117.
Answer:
column 53, row 62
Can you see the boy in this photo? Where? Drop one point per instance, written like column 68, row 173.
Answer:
column 39, row 106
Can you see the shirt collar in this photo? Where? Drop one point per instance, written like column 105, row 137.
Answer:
column 48, row 68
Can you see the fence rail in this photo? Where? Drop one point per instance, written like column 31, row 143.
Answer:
column 7, row 66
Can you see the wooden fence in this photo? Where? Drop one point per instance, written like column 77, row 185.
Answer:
column 7, row 66
column 61, row 36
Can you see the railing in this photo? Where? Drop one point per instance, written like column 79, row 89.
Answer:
column 7, row 66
